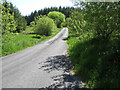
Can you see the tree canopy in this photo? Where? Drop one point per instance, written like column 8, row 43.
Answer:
column 58, row 17
column 65, row 10
column 12, row 20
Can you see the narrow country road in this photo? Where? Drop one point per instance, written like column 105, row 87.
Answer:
column 43, row 65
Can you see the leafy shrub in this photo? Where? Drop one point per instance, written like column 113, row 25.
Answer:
column 95, row 63
column 76, row 22
column 44, row 25
column 96, row 54
column 101, row 18
column 8, row 22
column 58, row 17
column 12, row 20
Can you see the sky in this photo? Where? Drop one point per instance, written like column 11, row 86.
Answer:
column 28, row 6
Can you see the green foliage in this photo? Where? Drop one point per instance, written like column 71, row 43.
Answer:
column 21, row 24
column 44, row 25
column 20, row 20
column 104, row 22
column 97, row 18
column 94, row 44
column 95, row 63
column 65, row 10
column 8, row 22
column 58, row 17
column 29, row 30
column 32, row 23
column 14, row 42
column 76, row 23
column 12, row 20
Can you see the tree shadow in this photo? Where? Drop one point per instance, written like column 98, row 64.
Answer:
column 65, row 80
column 60, row 62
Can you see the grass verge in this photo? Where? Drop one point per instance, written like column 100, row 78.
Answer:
column 14, row 42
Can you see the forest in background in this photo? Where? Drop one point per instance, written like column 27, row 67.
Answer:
column 65, row 10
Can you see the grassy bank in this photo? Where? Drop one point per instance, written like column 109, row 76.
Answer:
column 96, row 62
column 14, row 42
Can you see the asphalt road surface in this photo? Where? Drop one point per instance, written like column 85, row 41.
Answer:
column 43, row 65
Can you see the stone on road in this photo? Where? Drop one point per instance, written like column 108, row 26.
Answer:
column 43, row 65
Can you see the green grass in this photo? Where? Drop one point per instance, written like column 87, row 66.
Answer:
column 14, row 42
column 29, row 29
column 95, row 61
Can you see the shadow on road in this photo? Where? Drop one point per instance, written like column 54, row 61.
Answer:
column 65, row 80
column 60, row 62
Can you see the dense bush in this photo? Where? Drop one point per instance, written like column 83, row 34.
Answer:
column 103, row 18
column 20, row 20
column 8, row 22
column 44, row 25
column 76, row 23
column 12, row 20
column 97, row 18
column 95, row 63
column 58, row 17
column 94, row 44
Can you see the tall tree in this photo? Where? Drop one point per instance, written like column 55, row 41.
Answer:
column 58, row 17
column 8, row 22
column 20, row 20
column 65, row 10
